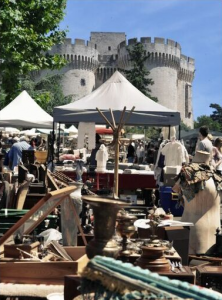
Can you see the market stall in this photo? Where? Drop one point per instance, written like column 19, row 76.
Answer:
column 119, row 100
column 23, row 111
column 116, row 93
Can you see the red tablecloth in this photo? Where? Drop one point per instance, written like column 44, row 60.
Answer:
column 126, row 181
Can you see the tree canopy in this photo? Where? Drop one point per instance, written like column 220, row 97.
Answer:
column 138, row 75
column 217, row 113
column 47, row 92
column 28, row 30
column 209, row 122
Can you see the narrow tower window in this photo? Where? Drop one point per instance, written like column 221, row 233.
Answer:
column 83, row 82
column 187, row 100
column 109, row 48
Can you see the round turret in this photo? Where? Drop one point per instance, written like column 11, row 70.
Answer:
column 78, row 75
column 171, row 72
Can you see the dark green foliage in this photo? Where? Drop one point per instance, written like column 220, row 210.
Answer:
column 150, row 132
column 47, row 92
column 214, row 121
column 183, row 126
column 138, row 75
column 209, row 122
column 28, row 30
column 217, row 113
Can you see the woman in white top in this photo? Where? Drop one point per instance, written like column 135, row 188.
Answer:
column 217, row 155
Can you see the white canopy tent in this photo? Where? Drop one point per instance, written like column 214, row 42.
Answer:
column 72, row 130
column 23, row 111
column 10, row 130
column 116, row 93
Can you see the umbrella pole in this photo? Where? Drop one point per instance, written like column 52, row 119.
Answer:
column 116, row 143
column 58, row 144
column 116, row 168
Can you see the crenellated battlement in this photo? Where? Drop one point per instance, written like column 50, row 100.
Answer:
column 161, row 52
column 68, row 42
column 148, row 40
column 80, row 55
column 91, row 63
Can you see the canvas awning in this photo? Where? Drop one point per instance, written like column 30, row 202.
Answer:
column 23, row 111
column 116, row 93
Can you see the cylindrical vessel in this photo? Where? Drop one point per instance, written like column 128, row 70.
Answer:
column 105, row 211
column 153, row 259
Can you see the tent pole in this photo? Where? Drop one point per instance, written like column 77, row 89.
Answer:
column 116, row 168
column 52, row 143
column 58, row 144
column 169, row 133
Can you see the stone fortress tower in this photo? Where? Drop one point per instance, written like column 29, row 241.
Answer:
column 91, row 64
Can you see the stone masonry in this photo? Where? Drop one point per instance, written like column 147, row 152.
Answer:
column 91, row 63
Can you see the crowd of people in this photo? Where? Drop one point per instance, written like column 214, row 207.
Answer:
column 12, row 146
column 139, row 152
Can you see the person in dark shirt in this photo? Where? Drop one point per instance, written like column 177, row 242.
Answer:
column 131, row 153
column 92, row 160
column 151, row 154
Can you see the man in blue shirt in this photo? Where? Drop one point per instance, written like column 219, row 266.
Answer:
column 15, row 153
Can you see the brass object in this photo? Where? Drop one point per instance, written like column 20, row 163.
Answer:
column 125, row 228
column 105, row 211
column 153, row 259
column 41, row 156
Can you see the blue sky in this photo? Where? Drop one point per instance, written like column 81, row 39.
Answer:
column 194, row 24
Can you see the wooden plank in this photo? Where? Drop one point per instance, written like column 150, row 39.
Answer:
column 38, row 212
column 21, row 195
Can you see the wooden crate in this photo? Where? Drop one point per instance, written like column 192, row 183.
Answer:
column 12, row 252
column 210, row 277
column 17, row 271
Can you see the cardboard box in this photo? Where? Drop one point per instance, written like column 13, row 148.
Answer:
column 170, row 174
column 20, row 271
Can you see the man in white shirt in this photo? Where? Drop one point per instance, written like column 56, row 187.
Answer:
column 205, row 144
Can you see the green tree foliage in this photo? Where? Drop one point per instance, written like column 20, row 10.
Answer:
column 28, row 30
column 183, row 126
column 217, row 113
column 150, row 132
column 47, row 92
column 209, row 122
column 138, row 75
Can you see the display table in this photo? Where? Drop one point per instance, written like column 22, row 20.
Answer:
column 126, row 181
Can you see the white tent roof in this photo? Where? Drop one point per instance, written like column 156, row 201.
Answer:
column 10, row 130
column 25, row 112
column 72, row 129
column 116, row 93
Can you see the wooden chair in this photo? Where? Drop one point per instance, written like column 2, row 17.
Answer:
column 21, row 195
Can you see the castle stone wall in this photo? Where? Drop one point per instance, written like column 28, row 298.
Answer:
column 107, row 42
column 165, row 85
column 78, row 83
column 91, row 63
column 171, row 71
